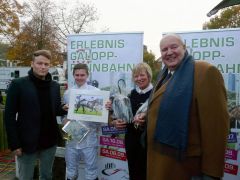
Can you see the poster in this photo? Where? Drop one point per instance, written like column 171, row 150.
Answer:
column 110, row 58
column 112, row 154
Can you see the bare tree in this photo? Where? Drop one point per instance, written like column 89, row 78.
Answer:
column 46, row 25
column 79, row 18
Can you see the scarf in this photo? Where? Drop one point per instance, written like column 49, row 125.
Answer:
column 173, row 115
column 49, row 133
column 39, row 82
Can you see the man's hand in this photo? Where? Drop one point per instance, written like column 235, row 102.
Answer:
column 18, row 152
column 139, row 119
column 65, row 107
column 108, row 105
column 65, row 120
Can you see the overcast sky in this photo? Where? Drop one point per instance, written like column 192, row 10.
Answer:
column 153, row 17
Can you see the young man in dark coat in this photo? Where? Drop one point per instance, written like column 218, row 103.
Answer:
column 32, row 104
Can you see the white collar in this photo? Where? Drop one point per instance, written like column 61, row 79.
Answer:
column 172, row 72
column 80, row 87
column 143, row 91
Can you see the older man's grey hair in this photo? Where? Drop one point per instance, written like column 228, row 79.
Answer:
column 173, row 35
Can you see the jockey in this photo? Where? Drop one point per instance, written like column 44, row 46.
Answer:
column 87, row 148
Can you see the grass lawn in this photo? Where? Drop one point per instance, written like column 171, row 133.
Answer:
column 88, row 112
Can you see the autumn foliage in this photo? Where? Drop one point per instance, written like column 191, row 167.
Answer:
column 9, row 16
column 228, row 18
column 41, row 24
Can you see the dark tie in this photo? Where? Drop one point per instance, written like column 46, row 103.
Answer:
column 163, row 81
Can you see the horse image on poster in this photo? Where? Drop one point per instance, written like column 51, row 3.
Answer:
column 90, row 105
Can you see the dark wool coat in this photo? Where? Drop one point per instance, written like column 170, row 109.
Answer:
column 22, row 113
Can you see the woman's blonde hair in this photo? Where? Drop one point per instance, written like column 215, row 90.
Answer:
column 142, row 67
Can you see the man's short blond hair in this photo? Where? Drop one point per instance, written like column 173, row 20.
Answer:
column 46, row 53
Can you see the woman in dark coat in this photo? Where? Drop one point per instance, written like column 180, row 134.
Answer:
column 136, row 154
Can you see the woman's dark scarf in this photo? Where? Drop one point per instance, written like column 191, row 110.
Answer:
column 173, row 116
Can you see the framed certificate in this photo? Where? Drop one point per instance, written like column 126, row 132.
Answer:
column 88, row 105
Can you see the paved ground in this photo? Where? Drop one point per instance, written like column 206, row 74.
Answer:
column 7, row 166
column 8, row 170
column 9, row 178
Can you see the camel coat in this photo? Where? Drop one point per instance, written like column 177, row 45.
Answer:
column 208, row 130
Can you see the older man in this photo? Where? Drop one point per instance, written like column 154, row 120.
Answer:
column 188, row 120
